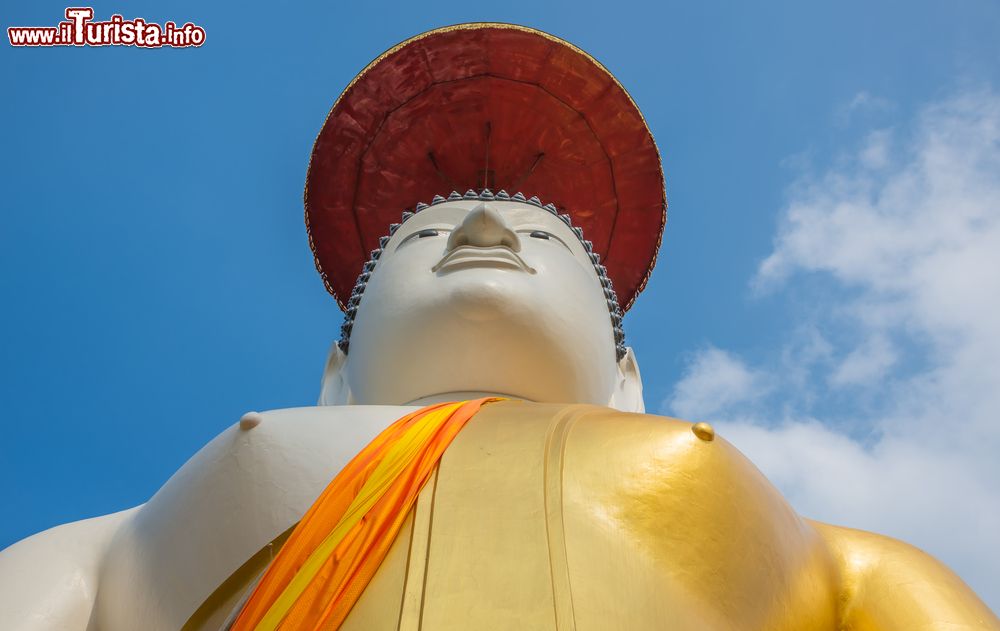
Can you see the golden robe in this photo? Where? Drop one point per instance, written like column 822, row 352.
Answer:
column 555, row 518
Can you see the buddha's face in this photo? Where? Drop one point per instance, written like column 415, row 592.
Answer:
column 473, row 297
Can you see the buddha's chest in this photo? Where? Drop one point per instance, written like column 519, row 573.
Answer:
column 540, row 516
column 548, row 521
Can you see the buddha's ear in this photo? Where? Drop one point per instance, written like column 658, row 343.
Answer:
column 627, row 396
column 334, row 389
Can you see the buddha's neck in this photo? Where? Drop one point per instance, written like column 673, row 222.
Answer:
column 460, row 396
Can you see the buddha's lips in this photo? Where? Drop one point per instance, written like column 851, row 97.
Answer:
column 473, row 256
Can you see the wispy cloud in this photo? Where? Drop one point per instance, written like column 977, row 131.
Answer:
column 865, row 365
column 890, row 417
column 862, row 102
column 715, row 381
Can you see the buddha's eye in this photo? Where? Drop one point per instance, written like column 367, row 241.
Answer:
column 427, row 232
column 538, row 234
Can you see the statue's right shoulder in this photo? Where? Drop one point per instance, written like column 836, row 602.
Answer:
column 48, row 581
column 237, row 494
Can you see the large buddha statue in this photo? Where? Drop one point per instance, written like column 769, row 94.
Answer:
column 560, row 504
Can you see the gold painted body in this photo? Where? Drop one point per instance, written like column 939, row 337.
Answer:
column 555, row 517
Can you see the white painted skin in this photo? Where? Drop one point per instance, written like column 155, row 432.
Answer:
column 483, row 325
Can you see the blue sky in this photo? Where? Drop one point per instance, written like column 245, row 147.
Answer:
column 157, row 282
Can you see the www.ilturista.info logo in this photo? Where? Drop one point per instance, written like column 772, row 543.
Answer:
column 79, row 29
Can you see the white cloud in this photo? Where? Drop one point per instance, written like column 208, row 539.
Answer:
column 865, row 364
column 908, row 235
column 715, row 380
column 875, row 154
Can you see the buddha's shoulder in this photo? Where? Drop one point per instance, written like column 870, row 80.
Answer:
column 279, row 460
column 244, row 488
column 616, row 441
column 666, row 468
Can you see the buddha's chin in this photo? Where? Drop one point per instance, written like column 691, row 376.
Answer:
column 500, row 356
column 500, row 337
column 481, row 302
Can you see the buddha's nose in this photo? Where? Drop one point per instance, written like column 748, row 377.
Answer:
column 484, row 227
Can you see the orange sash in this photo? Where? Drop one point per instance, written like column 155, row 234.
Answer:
column 334, row 551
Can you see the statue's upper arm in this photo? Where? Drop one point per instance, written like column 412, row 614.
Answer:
column 889, row 585
column 49, row 581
